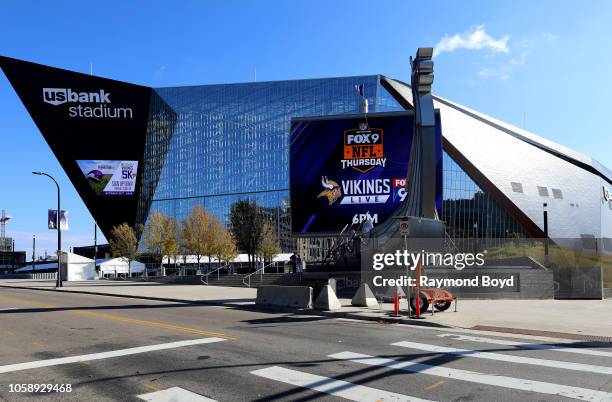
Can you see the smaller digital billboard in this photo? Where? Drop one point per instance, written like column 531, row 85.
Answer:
column 348, row 169
column 110, row 177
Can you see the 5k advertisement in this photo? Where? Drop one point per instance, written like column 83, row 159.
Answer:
column 345, row 170
column 110, row 178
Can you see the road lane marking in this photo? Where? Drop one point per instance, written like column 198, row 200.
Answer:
column 410, row 327
column 584, row 394
column 522, row 345
column 27, row 302
column 331, row 386
column 9, row 368
column 128, row 320
column 589, row 368
column 174, row 394
column 154, row 324
column 434, row 385
column 152, row 387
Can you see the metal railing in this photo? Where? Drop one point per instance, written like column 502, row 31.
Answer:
column 449, row 244
column 208, row 274
column 35, row 275
column 246, row 281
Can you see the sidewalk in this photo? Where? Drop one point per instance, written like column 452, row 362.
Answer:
column 146, row 290
column 580, row 318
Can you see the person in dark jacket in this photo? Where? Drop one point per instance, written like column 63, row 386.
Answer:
column 295, row 260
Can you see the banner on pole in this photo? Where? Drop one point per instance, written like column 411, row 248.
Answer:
column 52, row 219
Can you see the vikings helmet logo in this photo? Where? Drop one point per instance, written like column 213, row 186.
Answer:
column 332, row 190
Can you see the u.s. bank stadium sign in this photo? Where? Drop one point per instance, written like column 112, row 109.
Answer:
column 86, row 104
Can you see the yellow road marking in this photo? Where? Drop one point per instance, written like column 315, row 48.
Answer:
column 27, row 302
column 152, row 387
column 37, row 344
column 85, row 362
column 128, row 320
column 434, row 385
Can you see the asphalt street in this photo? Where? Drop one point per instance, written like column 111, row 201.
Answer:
column 111, row 349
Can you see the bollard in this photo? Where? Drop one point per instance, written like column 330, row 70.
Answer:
column 417, row 297
column 396, row 304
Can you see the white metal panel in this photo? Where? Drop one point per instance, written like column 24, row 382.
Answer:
column 526, row 158
column 505, row 159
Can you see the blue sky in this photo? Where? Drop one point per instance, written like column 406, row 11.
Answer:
column 542, row 65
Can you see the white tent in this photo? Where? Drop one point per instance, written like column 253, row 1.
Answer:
column 77, row 268
column 74, row 267
column 115, row 266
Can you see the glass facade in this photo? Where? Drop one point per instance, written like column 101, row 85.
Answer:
column 230, row 142
column 471, row 212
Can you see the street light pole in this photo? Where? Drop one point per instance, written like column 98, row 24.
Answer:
column 545, row 232
column 58, row 225
column 34, row 254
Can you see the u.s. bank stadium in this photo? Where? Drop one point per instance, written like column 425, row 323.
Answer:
column 212, row 145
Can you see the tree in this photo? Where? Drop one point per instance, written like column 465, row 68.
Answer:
column 227, row 250
column 196, row 233
column 183, row 251
column 224, row 245
column 160, row 237
column 171, row 243
column 269, row 246
column 124, row 244
column 247, row 224
column 215, row 239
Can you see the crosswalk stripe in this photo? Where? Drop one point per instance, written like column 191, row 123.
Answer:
column 174, row 394
column 105, row 355
column 584, row 394
column 506, row 358
column 539, row 346
column 331, row 386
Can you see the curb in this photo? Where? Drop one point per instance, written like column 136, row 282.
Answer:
column 256, row 307
column 85, row 292
column 383, row 319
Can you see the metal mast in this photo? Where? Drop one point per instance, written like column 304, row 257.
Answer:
column 421, row 192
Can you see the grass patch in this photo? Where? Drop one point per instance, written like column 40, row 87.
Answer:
column 98, row 186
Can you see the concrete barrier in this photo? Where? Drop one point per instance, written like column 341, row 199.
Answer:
column 364, row 297
column 285, row 296
column 327, row 300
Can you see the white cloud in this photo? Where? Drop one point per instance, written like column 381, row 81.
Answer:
column 504, row 71
column 501, row 73
column 474, row 39
column 161, row 72
column 549, row 37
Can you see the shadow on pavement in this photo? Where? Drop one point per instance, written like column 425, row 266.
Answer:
column 363, row 376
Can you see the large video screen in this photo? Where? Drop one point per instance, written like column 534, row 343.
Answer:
column 110, row 178
column 345, row 170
